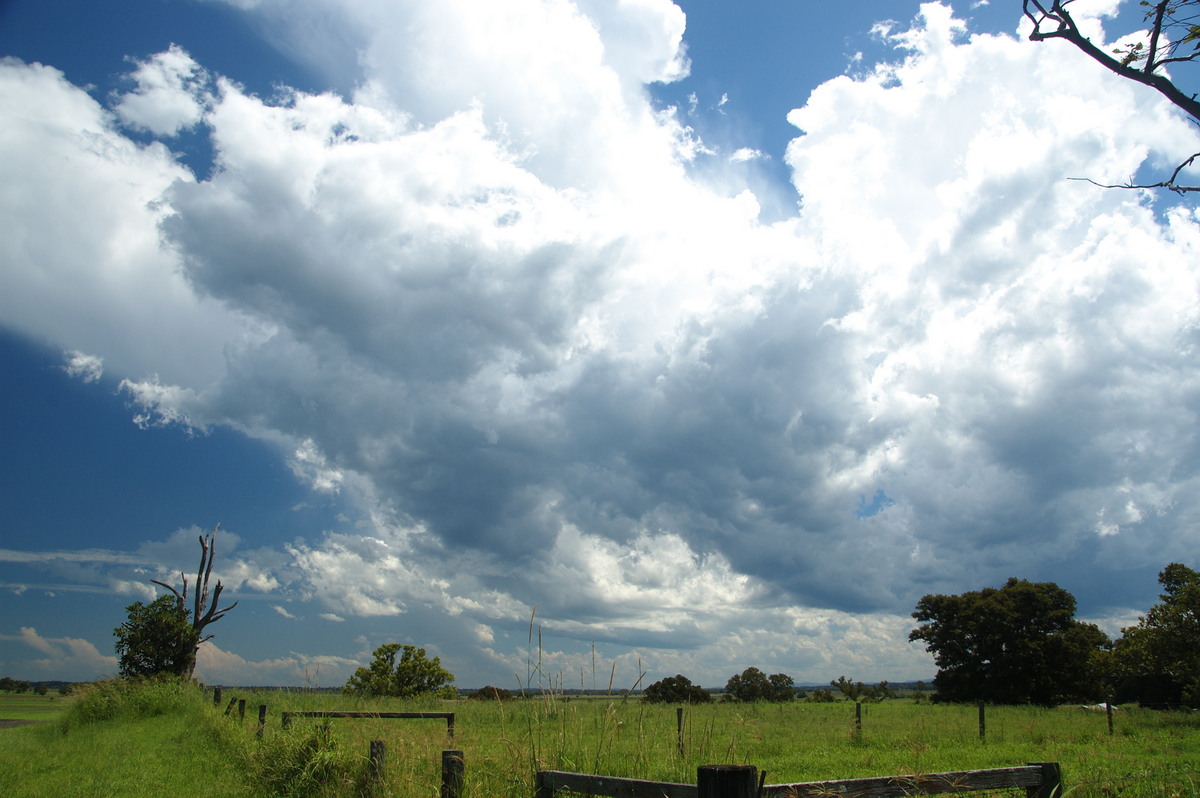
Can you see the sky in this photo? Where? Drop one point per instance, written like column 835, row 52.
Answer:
column 581, row 341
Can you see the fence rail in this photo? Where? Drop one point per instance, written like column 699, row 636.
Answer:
column 1038, row 779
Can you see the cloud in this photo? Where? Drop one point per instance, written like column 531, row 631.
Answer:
column 61, row 657
column 88, row 368
column 481, row 298
column 214, row 665
column 171, row 94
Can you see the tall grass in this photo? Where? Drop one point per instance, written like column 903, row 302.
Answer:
column 159, row 739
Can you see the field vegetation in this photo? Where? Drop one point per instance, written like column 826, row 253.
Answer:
column 166, row 738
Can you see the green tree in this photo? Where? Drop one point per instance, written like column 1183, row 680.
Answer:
column 1171, row 39
column 858, row 691
column 677, row 689
column 1164, row 647
column 156, row 638
column 414, row 675
column 1019, row 644
column 754, row 685
column 491, row 693
column 153, row 640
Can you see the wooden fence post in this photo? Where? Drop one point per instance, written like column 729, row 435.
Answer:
column 982, row 722
column 726, row 781
column 241, row 709
column 679, row 729
column 858, row 718
column 376, row 760
column 450, row 725
column 1109, row 708
column 229, row 706
column 1052, row 781
column 286, row 720
column 453, row 771
column 262, row 719
column 216, row 696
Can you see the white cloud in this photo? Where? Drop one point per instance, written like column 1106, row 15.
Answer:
column 482, row 300
column 171, row 94
column 88, row 368
column 66, row 658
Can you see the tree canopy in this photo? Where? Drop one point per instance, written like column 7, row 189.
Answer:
column 1018, row 644
column 1164, row 647
column 677, row 689
column 156, row 638
column 1172, row 38
column 754, row 685
column 414, row 675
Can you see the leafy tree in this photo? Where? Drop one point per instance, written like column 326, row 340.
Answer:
column 677, row 689
column 754, row 685
column 1163, row 649
column 490, row 693
column 857, row 691
column 1173, row 38
column 1018, row 644
column 414, row 675
column 156, row 640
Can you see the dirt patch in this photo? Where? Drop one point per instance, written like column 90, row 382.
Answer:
column 12, row 724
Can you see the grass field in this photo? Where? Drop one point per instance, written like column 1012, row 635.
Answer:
column 188, row 746
column 27, row 706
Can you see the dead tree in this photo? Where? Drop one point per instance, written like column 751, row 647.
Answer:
column 1173, row 38
column 202, row 611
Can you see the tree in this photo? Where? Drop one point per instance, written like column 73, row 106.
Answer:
column 754, row 685
column 857, row 691
column 155, row 639
column 491, row 693
column 1173, row 38
column 677, row 689
column 414, row 675
column 1159, row 658
column 1018, row 644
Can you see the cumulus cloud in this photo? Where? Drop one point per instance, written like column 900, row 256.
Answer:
column 170, row 95
column 481, row 298
column 67, row 658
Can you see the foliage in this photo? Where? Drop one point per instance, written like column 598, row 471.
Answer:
column 821, row 696
column 491, row 693
column 101, row 702
column 11, row 685
column 1164, row 647
column 1173, row 39
column 677, row 689
column 414, row 675
column 857, row 691
column 753, row 685
column 156, row 638
column 1014, row 645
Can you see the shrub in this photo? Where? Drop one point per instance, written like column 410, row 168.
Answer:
column 490, row 693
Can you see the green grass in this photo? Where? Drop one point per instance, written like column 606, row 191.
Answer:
column 180, row 743
column 28, row 706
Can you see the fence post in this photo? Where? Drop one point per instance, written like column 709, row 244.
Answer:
column 216, row 696
column 1109, row 707
column 982, row 722
column 450, row 725
column 453, row 770
column 540, row 790
column 229, row 706
column 262, row 719
column 241, row 709
column 286, row 720
column 1052, row 781
column 376, row 760
column 726, row 781
column 679, row 729
column 858, row 718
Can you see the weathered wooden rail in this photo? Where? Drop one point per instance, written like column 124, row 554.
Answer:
column 447, row 716
column 1038, row 779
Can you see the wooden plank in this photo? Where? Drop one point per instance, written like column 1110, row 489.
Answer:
column 551, row 780
column 923, row 784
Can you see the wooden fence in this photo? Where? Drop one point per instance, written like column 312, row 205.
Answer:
column 1038, row 779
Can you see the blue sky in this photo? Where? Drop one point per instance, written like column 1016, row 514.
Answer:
column 706, row 335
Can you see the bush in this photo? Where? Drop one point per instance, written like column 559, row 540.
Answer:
column 130, row 698
column 490, row 693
